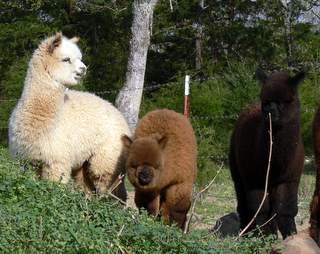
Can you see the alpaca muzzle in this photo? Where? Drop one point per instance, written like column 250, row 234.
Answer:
column 272, row 108
column 145, row 176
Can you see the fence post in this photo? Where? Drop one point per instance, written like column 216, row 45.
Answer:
column 186, row 96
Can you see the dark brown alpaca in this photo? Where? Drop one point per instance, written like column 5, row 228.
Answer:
column 249, row 151
column 315, row 204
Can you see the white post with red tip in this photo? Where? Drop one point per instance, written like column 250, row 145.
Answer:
column 186, row 96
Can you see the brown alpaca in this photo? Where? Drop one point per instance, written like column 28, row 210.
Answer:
column 249, row 151
column 315, row 205
column 161, row 164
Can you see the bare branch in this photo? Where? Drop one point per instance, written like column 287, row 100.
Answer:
column 264, row 224
column 115, row 197
column 266, row 182
column 171, row 7
column 116, row 183
column 315, row 14
column 114, row 186
column 197, row 197
column 120, row 231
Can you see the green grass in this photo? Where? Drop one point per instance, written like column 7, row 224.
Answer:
column 221, row 200
column 38, row 216
column 218, row 201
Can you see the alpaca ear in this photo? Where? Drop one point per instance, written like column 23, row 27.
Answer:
column 56, row 41
column 162, row 140
column 297, row 79
column 261, row 76
column 126, row 141
column 75, row 39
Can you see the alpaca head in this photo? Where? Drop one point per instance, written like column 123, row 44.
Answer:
column 61, row 58
column 279, row 96
column 145, row 160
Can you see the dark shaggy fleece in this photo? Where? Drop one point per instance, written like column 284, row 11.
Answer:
column 315, row 203
column 249, row 151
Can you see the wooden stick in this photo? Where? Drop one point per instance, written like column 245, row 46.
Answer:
column 113, row 187
column 120, row 232
column 266, row 182
column 197, row 196
column 116, row 183
column 270, row 219
column 115, row 197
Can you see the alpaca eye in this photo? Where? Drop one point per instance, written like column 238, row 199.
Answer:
column 67, row 59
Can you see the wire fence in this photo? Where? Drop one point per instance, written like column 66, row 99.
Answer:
column 193, row 118
column 4, row 126
column 116, row 91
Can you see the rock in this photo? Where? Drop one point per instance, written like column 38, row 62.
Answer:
column 227, row 225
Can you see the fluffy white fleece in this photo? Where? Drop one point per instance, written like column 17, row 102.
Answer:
column 64, row 128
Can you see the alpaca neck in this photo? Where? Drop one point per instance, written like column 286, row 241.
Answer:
column 285, row 140
column 288, row 135
column 42, row 99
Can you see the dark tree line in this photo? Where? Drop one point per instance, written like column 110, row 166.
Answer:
column 200, row 37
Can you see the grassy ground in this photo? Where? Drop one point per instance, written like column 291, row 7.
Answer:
column 220, row 199
column 39, row 216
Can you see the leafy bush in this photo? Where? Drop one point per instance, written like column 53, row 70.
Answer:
column 39, row 216
column 13, row 85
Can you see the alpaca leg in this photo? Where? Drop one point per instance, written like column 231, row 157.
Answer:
column 104, row 171
column 285, row 205
column 242, row 205
column 240, row 190
column 56, row 172
column 176, row 204
column 242, row 208
column 255, row 198
column 315, row 218
column 315, row 203
column 82, row 179
column 148, row 200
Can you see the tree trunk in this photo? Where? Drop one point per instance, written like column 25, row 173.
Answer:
column 129, row 98
column 199, row 36
column 287, row 30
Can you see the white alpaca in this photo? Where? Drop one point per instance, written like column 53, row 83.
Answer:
column 66, row 129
